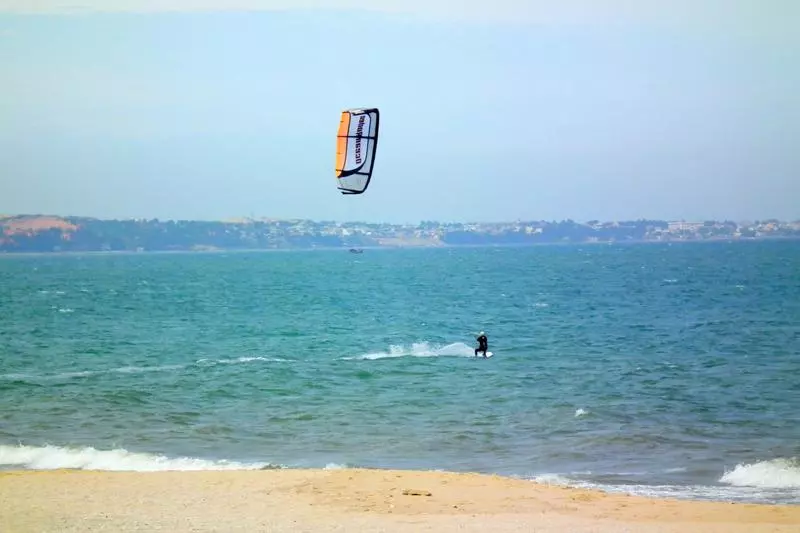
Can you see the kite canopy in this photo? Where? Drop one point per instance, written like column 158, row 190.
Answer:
column 355, row 149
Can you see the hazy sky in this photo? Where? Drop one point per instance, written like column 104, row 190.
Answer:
column 498, row 110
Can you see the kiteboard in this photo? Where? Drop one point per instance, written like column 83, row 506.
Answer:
column 488, row 355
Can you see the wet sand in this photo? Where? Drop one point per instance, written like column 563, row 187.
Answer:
column 350, row 500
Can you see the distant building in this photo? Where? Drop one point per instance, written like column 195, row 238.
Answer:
column 683, row 226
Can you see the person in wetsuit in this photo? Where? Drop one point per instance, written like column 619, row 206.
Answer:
column 483, row 344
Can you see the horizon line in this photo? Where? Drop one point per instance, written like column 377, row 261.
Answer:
column 240, row 219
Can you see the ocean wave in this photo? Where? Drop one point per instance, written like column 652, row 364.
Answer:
column 239, row 360
column 138, row 369
column 89, row 458
column 142, row 369
column 773, row 481
column 773, row 474
column 681, row 492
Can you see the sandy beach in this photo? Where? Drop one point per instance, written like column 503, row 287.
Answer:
column 349, row 500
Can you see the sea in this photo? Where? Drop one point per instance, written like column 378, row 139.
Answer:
column 660, row 369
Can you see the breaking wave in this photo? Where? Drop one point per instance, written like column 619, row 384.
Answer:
column 773, row 474
column 773, row 481
column 88, row 458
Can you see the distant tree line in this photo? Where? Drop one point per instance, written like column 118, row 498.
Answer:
column 87, row 234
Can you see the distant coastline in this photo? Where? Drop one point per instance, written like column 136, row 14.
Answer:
column 37, row 234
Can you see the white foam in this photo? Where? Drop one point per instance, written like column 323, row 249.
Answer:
column 419, row 349
column 68, row 375
column 552, row 479
column 765, row 482
column 88, row 458
column 773, row 474
column 580, row 412
column 65, row 375
column 141, row 369
column 14, row 376
column 691, row 492
column 238, row 360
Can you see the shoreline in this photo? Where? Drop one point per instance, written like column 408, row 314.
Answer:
column 351, row 500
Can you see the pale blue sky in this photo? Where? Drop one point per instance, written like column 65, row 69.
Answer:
column 490, row 111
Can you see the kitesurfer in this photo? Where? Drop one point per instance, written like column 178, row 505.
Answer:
column 483, row 344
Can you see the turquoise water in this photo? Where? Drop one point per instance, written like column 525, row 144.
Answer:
column 670, row 370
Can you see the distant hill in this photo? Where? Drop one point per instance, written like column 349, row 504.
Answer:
column 45, row 233
column 30, row 225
